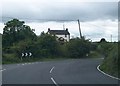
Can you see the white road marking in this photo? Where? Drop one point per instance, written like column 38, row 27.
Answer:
column 52, row 77
column 98, row 68
column 54, row 81
column 23, row 64
column 2, row 70
column 52, row 69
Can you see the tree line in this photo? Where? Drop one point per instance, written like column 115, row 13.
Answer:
column 20, row 38
column 111, row 62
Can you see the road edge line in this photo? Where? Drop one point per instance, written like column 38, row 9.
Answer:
column 98, row 68
column 2, row 70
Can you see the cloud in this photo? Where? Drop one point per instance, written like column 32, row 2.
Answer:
column 94, row 30
column 53, row 10
column 98, row 19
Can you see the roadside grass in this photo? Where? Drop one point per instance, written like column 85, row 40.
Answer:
column 27, row 60
column 94, row 54
column 12, row 59
column 110, row 64
column 9, row 58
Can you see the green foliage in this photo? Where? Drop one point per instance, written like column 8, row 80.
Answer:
column 15, row 31
column 103, row 40
column 45, row 46
column 10, row 58
column 110, row 63
column 63, row 51
column 19, row 38
column 104, row 48
column 94, row 54
column 78, row 48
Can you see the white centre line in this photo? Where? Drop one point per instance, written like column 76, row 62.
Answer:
column 52, row 69
column 54, row 81
column 52, row 77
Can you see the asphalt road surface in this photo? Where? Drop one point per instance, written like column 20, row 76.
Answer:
column 71, row 71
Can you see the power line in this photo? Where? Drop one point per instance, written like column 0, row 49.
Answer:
column 47, row 20
column 29, row 19
column 95, row 25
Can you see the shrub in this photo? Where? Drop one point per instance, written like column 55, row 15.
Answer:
column 78, row 48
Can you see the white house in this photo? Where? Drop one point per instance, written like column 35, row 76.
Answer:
column 62, row 35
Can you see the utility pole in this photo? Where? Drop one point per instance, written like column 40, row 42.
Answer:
column 111, row 37
column 79, row 29
column 63, row 27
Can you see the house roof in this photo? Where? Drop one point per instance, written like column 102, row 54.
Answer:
column 59, row 32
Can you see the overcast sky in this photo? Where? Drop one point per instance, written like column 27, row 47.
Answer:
column 98, row 19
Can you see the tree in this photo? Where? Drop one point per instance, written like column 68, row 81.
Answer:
column 46, row 46
column 15, row 31
column 103, row 40
column 104, row 48
column 78, row 47
column 17, row 38
column 112, row 61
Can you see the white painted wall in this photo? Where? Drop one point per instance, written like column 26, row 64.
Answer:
column 66, row 38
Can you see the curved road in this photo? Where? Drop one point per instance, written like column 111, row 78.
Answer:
column 71, row 71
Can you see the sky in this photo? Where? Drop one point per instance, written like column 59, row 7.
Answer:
column 98, row 18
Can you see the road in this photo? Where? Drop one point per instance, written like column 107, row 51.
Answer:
column 71, row 71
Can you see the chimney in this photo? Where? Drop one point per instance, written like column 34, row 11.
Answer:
column 66, row 29
column 48, row 29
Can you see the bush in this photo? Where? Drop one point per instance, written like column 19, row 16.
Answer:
column 110, row 63
column 78, row 48
column 46, row 46
column 104, row 48
column 10, row 58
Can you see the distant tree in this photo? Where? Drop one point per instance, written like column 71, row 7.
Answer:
column 46, row 46
column 104, row 48
column 103, row 40
column 15, row 31
column 78, row 48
